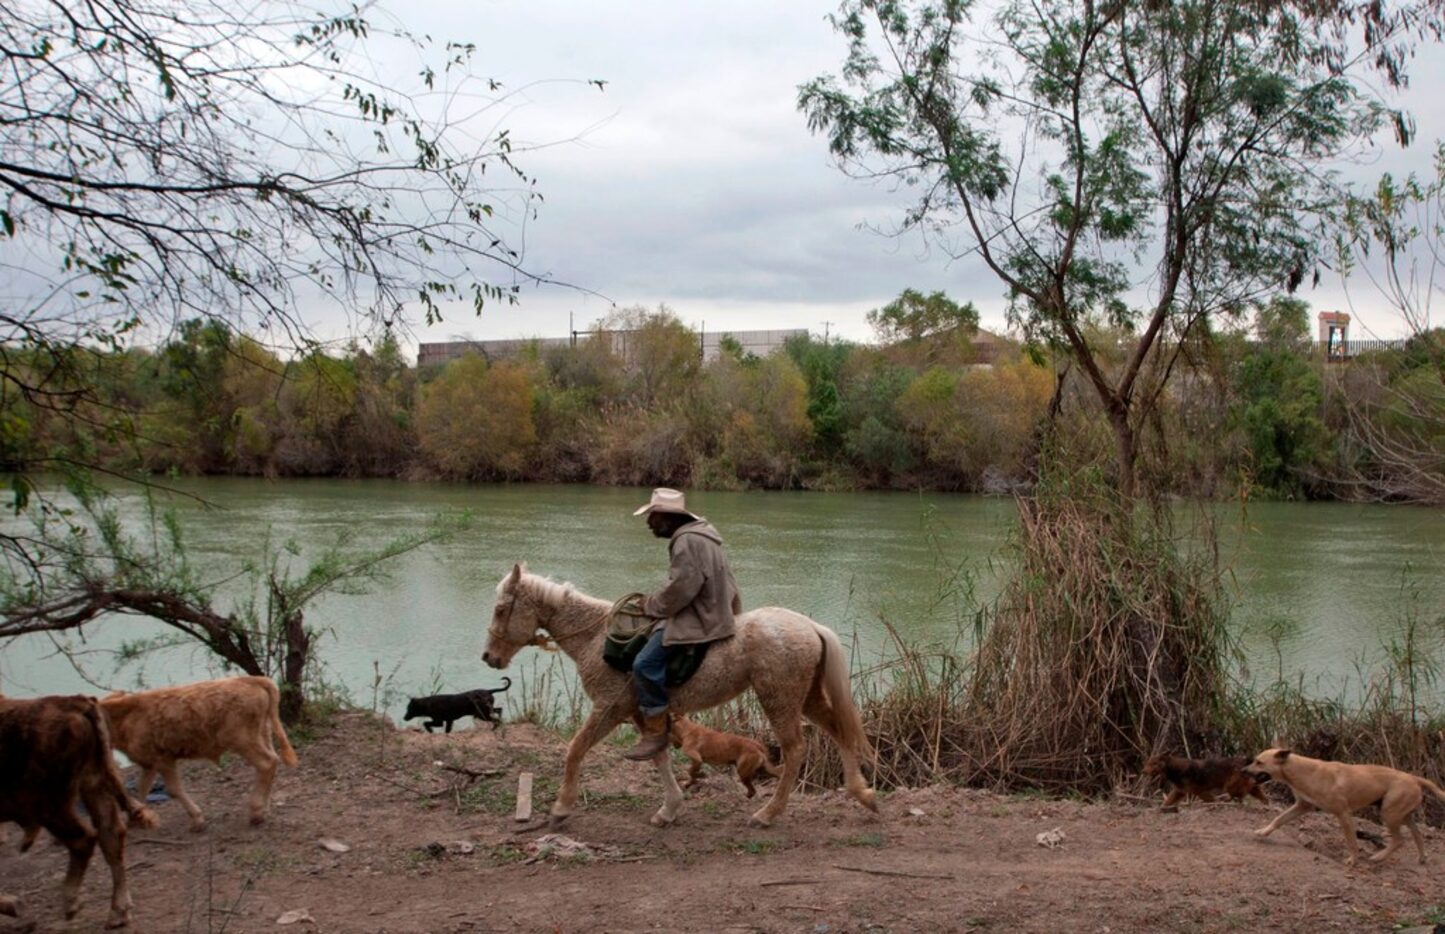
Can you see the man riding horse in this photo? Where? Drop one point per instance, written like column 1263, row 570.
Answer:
column 696, row 605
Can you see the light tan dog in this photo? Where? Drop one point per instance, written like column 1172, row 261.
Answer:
column 1341, row 789
column 714, row 747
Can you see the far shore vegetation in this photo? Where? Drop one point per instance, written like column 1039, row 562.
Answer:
column 935, row 405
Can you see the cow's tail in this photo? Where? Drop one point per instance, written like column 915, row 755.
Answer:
column 109, row 772
column 772, row 760
column 283, row 742
column 1431, row 787
column 834, row 681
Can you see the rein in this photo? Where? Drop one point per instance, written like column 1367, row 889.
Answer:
column 547, row 642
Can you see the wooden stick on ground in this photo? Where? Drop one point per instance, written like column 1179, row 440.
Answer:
column 524, row 798
column 888, row 872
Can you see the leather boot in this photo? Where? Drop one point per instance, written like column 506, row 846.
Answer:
column 655, row 736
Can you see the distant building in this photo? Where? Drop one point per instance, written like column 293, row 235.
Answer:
column 760, row 343
column 435, row 354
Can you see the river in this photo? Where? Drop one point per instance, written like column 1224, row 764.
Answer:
column 1319, row 588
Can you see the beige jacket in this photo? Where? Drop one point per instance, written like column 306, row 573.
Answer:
column 700, row 598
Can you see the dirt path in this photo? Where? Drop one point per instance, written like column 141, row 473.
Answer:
column 434, row 850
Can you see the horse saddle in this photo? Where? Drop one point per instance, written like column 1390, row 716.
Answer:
column 628, row 630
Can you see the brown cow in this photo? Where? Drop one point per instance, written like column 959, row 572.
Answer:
column 201, row 721
column 54, row 750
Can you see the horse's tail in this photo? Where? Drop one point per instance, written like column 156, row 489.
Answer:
column 839, row 695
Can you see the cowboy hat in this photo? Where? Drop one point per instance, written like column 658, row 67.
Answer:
column 665, row 500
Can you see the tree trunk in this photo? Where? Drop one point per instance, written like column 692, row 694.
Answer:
column 1126, row 448
column 293, row 668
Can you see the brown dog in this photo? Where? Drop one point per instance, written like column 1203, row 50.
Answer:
column 713, row 747
column 1203, row 778
column 1341, row 789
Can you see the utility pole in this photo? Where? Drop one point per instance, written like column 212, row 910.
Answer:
column 826, row 326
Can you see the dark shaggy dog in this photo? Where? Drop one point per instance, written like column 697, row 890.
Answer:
column 447, row 708
column 1203, row 778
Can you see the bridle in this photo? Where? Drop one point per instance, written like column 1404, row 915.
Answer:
column 547, row 642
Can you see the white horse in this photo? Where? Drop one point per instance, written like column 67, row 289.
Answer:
column 795, row 666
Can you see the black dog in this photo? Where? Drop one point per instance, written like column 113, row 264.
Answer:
column 447, row 708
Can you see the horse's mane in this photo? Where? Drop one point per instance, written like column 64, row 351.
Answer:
column 544, row 590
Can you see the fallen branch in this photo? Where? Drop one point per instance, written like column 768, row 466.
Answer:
column 473, row 774
column 889, row 872
column 790, row 882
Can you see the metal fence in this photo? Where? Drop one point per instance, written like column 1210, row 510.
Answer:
column 1347, row 349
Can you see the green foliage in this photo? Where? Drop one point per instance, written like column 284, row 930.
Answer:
column 828, row 415
column 822, row 365
column 1278, row 391
column 475, row 421
column 913, row 316
column 1090, row 153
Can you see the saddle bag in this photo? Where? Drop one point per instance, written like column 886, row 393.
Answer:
column 628, row 630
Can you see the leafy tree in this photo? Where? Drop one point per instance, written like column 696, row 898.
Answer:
column 822, row 365
column 660, row 354
column 474, row 421
column 876, row 441
column 251, row 379
column 1146, row 165
column 189, row 371
column 913, row 316
column 929, row 408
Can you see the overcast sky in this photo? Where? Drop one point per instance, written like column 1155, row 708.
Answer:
column 693, row 180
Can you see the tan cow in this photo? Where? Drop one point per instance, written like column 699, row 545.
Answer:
column 158, row 728
column 54, row 751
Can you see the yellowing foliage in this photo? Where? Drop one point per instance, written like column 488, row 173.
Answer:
column 475, row 421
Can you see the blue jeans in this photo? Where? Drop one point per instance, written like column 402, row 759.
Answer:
column 649, row 670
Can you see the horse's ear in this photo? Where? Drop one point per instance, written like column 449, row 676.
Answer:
column 515, row 576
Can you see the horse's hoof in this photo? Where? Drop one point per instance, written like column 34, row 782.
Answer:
column 661, row 820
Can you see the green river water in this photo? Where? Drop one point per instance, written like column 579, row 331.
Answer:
column 1319, row 588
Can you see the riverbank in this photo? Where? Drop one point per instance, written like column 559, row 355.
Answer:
column 434, row 849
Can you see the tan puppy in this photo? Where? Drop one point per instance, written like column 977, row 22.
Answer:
column 1342, row 789
column 704, row 745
